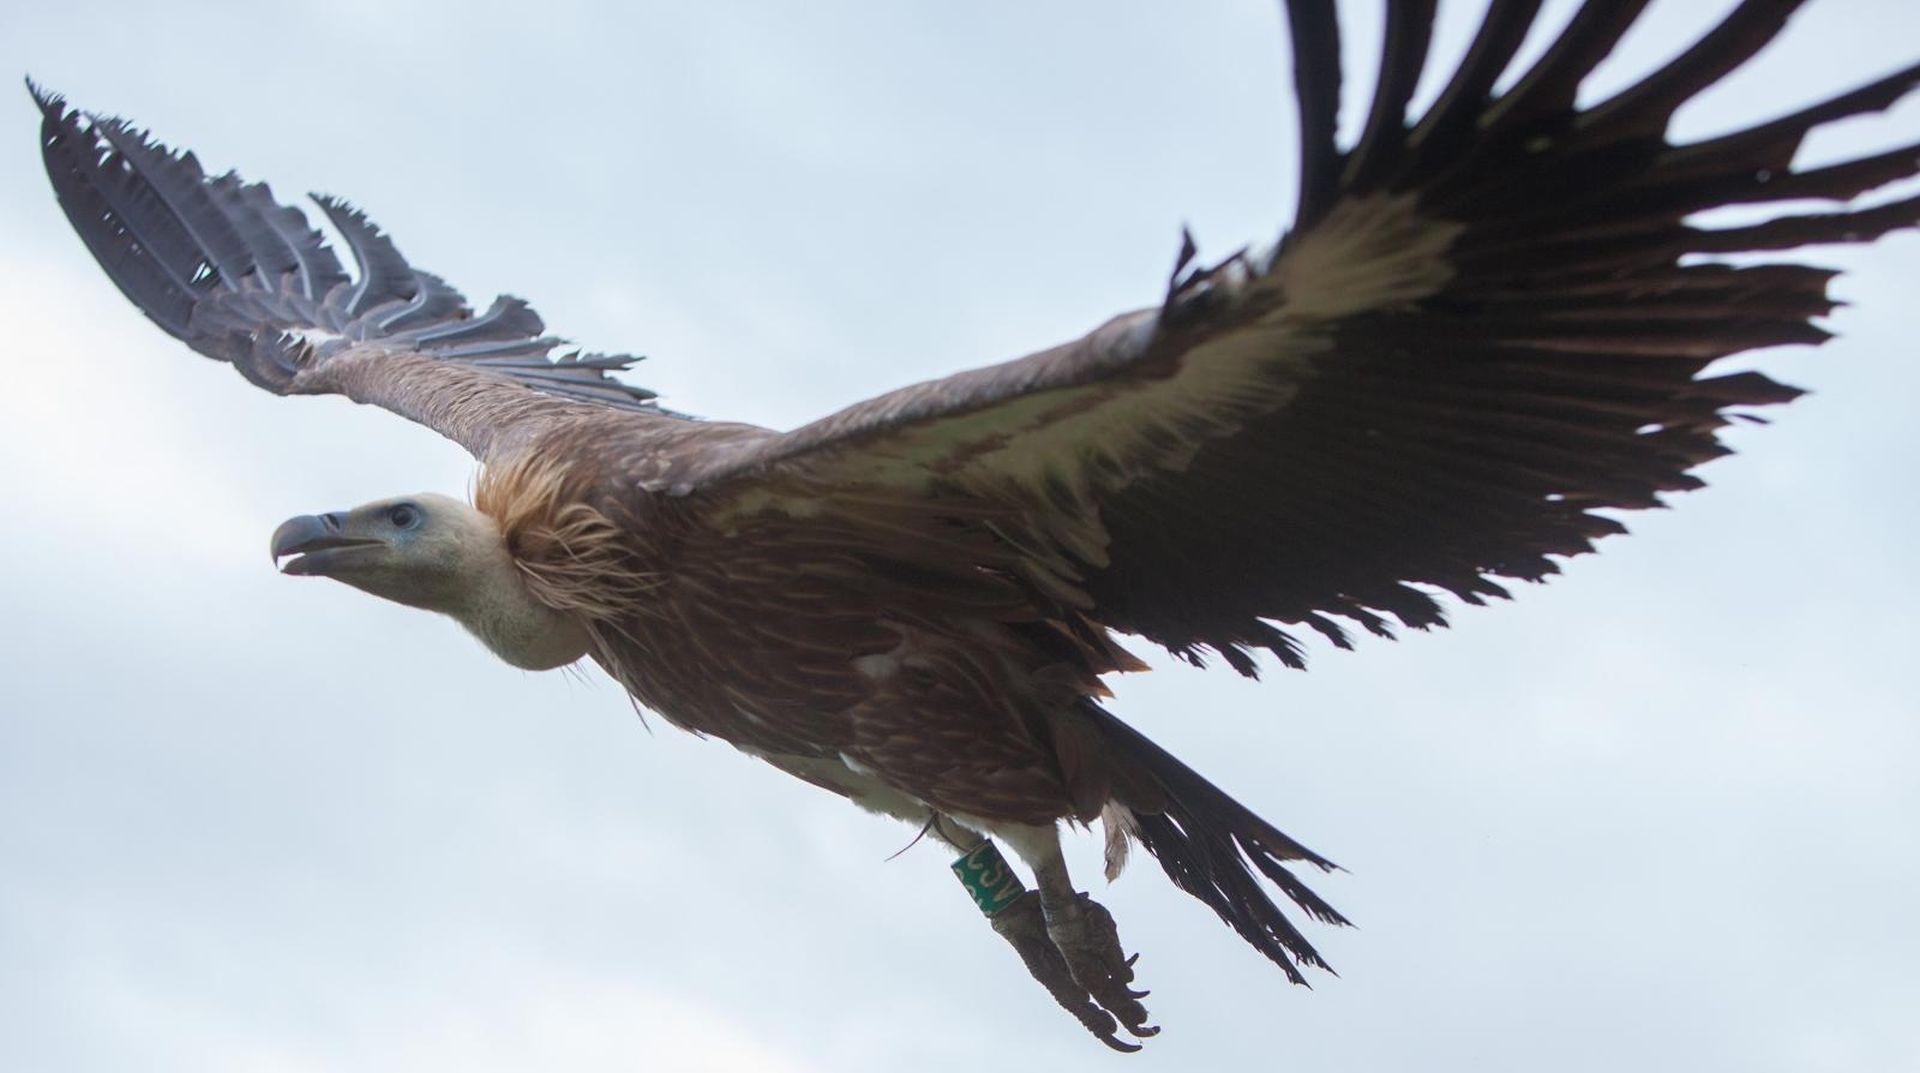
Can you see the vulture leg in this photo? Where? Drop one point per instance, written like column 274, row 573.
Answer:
column 1057, row 927
column 1066, row 940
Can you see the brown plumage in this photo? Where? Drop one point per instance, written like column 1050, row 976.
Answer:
column 1489, row 323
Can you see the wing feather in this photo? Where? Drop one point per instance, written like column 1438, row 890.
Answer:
column 384, row 276
column 1403, row 55
column 1451, row 119
column 301, row 250
column 1645, row 108
column 1316, row 78
column 1547, row 90
column 179, row 182
column 1488, row 323
column 222, row 266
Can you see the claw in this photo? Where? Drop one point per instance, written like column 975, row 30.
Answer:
column 1084, row 933
column 1075, row 954
column 1022, row 924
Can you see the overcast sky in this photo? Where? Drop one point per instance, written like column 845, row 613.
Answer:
column 1657, row 815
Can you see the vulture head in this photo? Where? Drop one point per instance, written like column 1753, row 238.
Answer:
column 437, row 553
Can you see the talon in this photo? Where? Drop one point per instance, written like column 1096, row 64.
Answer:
column 1071, row 947
column 1022, row 924
column 1084, row 934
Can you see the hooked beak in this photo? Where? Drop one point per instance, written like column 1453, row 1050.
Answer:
column 313, row 540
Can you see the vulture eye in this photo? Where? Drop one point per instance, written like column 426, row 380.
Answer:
column 404, row 516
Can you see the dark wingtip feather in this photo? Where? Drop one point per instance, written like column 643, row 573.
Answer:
column 1403, row 55
column 1549, row 87
column 127, row 227
column 385, row 276
column 1450, row 118
column 1315, row 27
column 1650, row 103
column 217, row 263
column 176, row 179
column 47, row 99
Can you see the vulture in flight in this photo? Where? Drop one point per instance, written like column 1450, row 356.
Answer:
column 1488, row 327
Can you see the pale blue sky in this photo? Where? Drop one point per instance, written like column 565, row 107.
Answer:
column 1657, row 815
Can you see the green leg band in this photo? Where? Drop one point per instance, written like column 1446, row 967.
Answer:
column 988, row 878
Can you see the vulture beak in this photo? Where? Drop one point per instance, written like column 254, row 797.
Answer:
column 314, row 540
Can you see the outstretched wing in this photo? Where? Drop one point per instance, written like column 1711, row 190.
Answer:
column 234, row 274
column 1488, row 324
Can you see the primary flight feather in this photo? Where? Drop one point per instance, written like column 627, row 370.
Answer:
column 1489, row 323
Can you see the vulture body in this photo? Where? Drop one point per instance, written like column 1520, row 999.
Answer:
column 1489, row 324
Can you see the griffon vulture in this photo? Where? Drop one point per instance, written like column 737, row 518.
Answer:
column 1489, row 324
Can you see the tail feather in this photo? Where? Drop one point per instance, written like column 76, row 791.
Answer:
column 1210, row 846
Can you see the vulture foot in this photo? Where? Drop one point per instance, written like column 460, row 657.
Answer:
column 1032, row 932
column 1084, row 933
